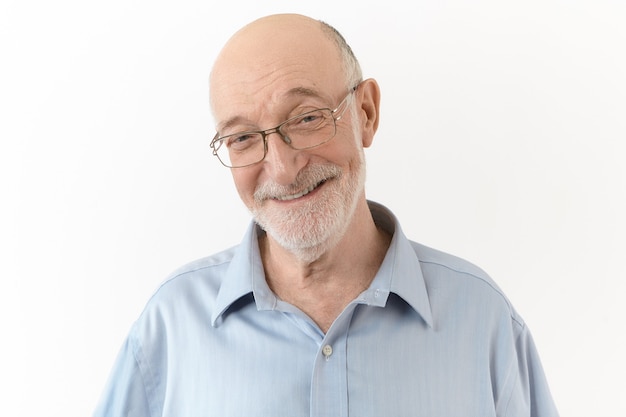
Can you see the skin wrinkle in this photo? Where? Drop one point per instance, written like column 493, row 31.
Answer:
column 311, row 176
column 293, row 94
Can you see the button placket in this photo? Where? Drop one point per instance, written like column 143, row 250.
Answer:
column 329, row 385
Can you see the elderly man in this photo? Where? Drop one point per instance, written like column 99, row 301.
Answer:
column 325, row 308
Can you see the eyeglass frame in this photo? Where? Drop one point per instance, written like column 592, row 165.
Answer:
column 265, row 133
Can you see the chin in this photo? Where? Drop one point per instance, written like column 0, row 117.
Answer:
column 314, row 227
column 308, row 231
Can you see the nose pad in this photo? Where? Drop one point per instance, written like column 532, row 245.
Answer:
column 283, row 162
column 277, row 145
column 283, row 136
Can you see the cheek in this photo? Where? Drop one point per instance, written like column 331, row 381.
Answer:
column 348, row 150
column 245, row 182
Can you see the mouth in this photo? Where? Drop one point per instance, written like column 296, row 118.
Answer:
column 300, row 194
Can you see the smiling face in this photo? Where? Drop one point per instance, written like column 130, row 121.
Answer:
column 271, row 70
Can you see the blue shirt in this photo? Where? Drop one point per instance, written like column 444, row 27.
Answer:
column 432, row 336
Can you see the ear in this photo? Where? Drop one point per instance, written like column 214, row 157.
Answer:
column 368, row 95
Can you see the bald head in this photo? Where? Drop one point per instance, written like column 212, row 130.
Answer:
column 288, row 46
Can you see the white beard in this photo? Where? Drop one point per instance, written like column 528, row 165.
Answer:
column 317, row 225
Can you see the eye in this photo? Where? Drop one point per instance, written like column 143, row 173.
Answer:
column 240, row 138
column 309, row 118
column 241, row 141
column 307, row 121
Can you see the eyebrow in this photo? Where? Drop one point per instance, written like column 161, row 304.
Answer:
column 303, row 91
column 294, row 92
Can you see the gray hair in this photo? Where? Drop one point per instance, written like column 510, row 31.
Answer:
column 351, row 66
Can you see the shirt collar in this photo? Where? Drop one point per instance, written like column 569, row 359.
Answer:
column 400, row 273
column 245, row 271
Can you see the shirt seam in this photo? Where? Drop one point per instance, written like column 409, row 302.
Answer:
column 178, row 275
column 517, row 380
column 146, row 374
column 484, row 281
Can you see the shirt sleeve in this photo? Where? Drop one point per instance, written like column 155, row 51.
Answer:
column 530, row 395
column 125, row 392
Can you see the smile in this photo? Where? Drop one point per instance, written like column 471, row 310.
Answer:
column 300, row 194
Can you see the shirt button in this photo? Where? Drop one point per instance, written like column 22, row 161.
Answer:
column 327, row 351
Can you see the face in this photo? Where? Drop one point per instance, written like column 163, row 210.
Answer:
column 304, row 199
column 309, row 215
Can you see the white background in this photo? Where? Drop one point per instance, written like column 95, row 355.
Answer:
column 501, row 140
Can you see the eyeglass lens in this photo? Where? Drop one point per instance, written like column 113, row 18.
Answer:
column 304, row 131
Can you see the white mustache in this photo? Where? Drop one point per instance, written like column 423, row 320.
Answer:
column 306, row 181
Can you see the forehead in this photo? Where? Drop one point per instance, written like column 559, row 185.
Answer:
column 269, row 66
column 294, row 101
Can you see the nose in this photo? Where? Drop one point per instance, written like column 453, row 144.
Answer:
column 282, row 162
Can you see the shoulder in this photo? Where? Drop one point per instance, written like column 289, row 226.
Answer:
column 441, row 260
column 209, row 266
column 453, row 277
column 200, row 279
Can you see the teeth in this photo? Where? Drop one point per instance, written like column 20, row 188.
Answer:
column 300, row 194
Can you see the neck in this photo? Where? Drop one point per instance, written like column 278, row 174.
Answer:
column 322, row 286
